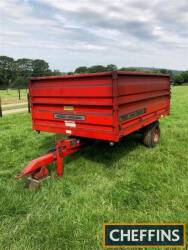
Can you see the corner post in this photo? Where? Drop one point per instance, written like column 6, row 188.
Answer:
column 59, row 159
column 115, row 103
column 1, row 113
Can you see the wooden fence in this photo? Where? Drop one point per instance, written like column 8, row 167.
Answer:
column 15, row 107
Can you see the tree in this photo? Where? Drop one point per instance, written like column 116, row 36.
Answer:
column 96, row 68
column 17, row 73
column 24, row 66
column 129, row 69
column 40, row 68
column 24, row 69
column 185, row 76
column 23, row 72
column 21, row 82
column 178, row 79
column 2, row 83
column 164, row 71
column 81, row 70
column 6, row 70
column 111, row 67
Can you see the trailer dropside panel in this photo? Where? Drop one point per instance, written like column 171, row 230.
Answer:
column 103, row 106
column 142, row 100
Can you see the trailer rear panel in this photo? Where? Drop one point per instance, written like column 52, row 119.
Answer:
column 102, row 106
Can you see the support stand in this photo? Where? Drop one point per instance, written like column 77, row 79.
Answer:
column 37, row 169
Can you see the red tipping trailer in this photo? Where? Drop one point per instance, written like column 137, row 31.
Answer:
column 101, row 106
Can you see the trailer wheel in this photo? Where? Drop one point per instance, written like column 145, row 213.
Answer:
column 151, row 135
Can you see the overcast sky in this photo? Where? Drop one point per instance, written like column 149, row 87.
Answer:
column 69, row 33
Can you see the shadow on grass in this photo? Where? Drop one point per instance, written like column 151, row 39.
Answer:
column 48, row 142
column 99, row 151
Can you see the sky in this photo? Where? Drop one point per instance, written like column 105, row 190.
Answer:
column 68, row 34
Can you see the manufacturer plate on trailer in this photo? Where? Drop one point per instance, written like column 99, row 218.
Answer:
column 68, row 108
column 69, row 117
column 70, row 124
column 69, row 132
column 132, row 114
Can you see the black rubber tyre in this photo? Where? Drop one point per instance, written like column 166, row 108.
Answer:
column 151, row 135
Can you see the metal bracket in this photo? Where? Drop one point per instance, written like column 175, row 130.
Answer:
column 37, row 167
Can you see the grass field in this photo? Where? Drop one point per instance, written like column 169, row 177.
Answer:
column 126, row 183
column 11, row 96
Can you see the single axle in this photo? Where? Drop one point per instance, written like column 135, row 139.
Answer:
column 104, row 106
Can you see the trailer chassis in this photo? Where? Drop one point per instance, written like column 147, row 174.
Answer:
column 37, row 169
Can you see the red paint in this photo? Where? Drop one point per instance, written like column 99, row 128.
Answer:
column 101, row 98
column 64, row 147
column 113, row 104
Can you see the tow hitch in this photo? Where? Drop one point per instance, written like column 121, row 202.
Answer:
column 37, row 170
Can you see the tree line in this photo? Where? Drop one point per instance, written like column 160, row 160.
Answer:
column 177, row 77
column 16, row 73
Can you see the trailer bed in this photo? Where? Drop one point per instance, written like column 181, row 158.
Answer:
column 105, row 106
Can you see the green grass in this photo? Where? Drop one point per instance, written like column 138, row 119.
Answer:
column 14, row 106
column 126, row 183
column 11, row 96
